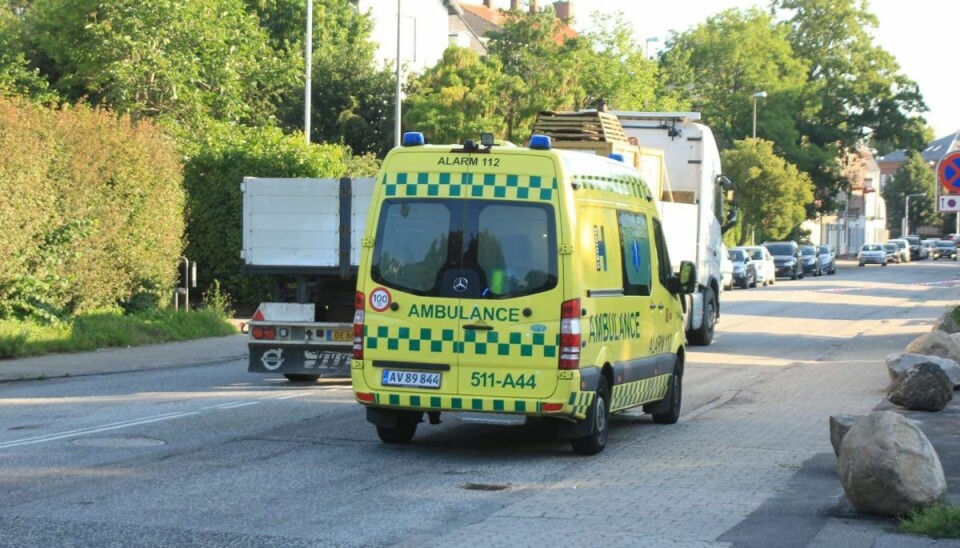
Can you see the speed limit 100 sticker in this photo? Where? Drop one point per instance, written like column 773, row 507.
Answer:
column 380, row 299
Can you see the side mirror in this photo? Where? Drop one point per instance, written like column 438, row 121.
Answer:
column 685, row 282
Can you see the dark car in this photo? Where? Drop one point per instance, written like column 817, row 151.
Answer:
column 786, row 257
column 809, row 260
column 744, row 268
column 827, row 258
column 944, row 249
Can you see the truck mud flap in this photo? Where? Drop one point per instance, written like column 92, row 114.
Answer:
column 295, row 360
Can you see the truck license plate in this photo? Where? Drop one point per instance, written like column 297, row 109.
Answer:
column 345, row 335
column 414, row 379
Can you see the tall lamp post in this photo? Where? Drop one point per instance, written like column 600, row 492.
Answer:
column 906, row 213
column 653, row 39
column 757, row 95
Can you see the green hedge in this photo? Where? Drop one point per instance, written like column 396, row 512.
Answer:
column 217, row 163
column 91, row 211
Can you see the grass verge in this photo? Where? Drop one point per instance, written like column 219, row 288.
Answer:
column 937, row 521
column 110, row 329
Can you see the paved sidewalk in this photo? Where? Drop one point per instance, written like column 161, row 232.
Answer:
column 118, row 360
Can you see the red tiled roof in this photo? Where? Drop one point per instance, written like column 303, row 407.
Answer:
column 497, row 17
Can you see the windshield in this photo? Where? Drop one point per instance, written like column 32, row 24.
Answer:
column 779, row 249
column 944, row 243
column 737, row 255
column 914, row 240
column 890, row 247
column 823, row 249
column 871, row 247
column 502, row 249
column 756, row 254
column 808, row 250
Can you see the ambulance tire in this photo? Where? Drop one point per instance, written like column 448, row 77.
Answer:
column 295, row 377
column 599, row 415
column 703, row 335
column 404, row 430
column 675, row 396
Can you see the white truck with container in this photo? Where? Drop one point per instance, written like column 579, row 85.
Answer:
column 679, row 159
column 305, row 234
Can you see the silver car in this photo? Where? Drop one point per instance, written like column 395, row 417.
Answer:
column 766, row 269
column 872, row 254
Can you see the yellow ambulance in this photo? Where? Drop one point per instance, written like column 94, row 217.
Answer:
column 505, row 282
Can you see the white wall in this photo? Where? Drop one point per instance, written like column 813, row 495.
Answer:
column 424, row 31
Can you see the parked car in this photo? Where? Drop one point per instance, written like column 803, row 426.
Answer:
column 808, row 257
column 929, row 244
column 893, row 252
column 786, row 257
column 873, row 254
column 744, row 271
column 827, row 258
column 726, row 270
column 944, row 249
column 766, row 269
column 904, row 247
column 917, row 251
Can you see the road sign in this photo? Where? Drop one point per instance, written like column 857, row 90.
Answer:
column 948, row 172
column 949, row 203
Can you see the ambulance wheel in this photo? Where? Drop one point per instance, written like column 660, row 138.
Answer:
column 704, row 335
column 294, row 377
column 599, row 414
column 675, row 395
column 403, row 432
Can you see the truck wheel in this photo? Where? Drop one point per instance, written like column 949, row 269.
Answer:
column 704, row 335
column 403, row 432
column 294, row 377
column 675, row 394
column 596, row 440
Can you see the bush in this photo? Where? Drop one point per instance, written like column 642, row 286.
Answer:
column 216, row 165
column 92, row 213
column 937, row 521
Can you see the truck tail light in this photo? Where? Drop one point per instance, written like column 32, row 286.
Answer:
column 264, row 332
column 570, row 334
column 358, row 326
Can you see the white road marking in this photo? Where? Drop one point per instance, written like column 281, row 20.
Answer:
column 94, row 429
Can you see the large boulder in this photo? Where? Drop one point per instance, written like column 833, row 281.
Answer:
column 935, row 343
column 839, row 426
column 922, row 387
column 947, row 324
column 888, row 467
column 898, row 364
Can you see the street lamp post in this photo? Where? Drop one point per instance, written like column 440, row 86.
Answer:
column 653, row 39
column 757, row 95
column 906, row 213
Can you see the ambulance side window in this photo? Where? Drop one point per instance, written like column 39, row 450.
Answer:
column 635, row 252
column 666, row 269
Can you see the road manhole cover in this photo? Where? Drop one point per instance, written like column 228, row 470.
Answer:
column 119, row 442
column 484, row 487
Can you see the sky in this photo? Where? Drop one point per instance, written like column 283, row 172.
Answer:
column 919, row 33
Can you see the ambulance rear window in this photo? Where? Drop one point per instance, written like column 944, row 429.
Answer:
column 501, row 249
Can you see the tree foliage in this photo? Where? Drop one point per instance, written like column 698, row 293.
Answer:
column 771, row 192
column 913, row 177
column 91, row 208
column 178, row 58
column 17, row 77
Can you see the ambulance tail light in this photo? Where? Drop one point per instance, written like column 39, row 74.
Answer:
column 358, row 326
column 570, row 334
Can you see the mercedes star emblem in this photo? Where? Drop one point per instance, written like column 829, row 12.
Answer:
column 460, row 284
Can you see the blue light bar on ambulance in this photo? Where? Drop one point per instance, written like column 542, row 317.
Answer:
column 412, row 139
column 540, row 142
column 617, row 156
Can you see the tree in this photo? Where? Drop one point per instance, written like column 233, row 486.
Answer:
column 717, row 66
column 17, row 77
column 771, row 192
column 854, row 84
column 166, row 58
column 456, row 99
column 913, row 177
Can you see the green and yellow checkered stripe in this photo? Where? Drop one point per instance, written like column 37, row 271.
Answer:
column 514, row 344
column 457, row 403
column 634, row 393
column 581, row 403
column 469, row 185
column 623, row 186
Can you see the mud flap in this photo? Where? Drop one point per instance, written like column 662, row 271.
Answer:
column 589, row 379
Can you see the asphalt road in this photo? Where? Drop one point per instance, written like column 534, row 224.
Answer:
column 214, row 456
